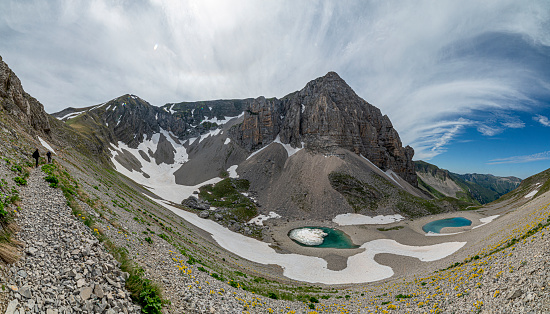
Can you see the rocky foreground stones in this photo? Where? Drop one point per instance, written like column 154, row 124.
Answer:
column 195, row 203
column 64, row 268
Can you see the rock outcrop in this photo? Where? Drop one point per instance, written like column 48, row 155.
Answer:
column 325, row 115
column 25, row 108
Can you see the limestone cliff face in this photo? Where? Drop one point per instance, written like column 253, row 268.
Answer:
column 325, row 115
column 19, row 104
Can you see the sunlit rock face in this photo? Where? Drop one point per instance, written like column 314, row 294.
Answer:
column 308, row 236
column 327, row 114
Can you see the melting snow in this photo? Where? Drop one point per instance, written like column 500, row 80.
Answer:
column 211, row 133
column 392, row 175
column 46, row 145
column 227, row 140
column 222, row 121
column 360, row 268
column 358, row 219
column 531, row 194
column 485, row 221
column 256, row 152
column 233, row 171
column 259, row 220
column 289, row 149
column 161, row 181
column 389, row 174
column 308, row 236
column 70, row 115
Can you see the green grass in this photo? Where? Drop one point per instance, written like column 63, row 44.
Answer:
column 390, row 228
column 20, row 181
column 227, row 193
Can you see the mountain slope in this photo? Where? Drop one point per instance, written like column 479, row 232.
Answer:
column 475, row 188
column 290, row 150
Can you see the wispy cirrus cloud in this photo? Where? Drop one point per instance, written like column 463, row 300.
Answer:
column 521, row 159
column 542, row 120
column 422, row 63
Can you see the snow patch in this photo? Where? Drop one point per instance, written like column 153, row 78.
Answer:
column 303, row 108
column 222, row 121
column 161, row 179
column 308, row 236
column 358, row 219
column 259, row 220
column 392, row 175
column 70, row 115
column 531, row 194
column 211, row 133
column 46, row 145
column 233, row 171
column 227, row 140
column 360, row 268
column 289, row 149
column 485, row 221
column 192, row 111
column 389, row 174
column 256, row 152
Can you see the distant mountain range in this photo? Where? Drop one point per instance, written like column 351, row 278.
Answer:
column 474, row 188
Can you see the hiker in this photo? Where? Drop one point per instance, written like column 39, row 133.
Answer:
column 36, row 155
column 49, row 154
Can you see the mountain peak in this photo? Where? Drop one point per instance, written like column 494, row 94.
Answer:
column 327, row 115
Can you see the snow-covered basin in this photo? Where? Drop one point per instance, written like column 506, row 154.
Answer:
column 350, row 219
column 360, row 267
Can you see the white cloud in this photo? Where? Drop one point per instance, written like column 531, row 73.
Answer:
column 488, row 130
column 542, row 120
column 421, row 63
column 514, row 124
column 521, row 159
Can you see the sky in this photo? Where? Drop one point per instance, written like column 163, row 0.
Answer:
column 465, row 83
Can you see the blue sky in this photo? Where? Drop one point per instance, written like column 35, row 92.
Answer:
column 465, row 83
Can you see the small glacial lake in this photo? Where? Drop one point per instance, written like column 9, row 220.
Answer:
column 436, row 225
column 321, row 237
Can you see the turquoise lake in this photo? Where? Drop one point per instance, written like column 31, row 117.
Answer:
column 334, row 239
column 437, row 225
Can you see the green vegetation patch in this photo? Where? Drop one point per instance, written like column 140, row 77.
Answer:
column 390, row 228
column 360, row 195
column 228, row 193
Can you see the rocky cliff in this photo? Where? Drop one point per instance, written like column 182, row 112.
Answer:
column 325, row 115
column 17, row 103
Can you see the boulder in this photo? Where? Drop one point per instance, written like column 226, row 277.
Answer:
column 195, row 203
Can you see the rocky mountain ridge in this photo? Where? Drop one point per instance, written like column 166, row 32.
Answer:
column 325, row 115
column 17, row 103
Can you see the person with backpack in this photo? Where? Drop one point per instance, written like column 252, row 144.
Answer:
column 49, row 154
column 36, row 155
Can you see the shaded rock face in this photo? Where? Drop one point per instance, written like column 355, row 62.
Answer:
column 18, row 103
column 325, row 115
column 130, row 118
